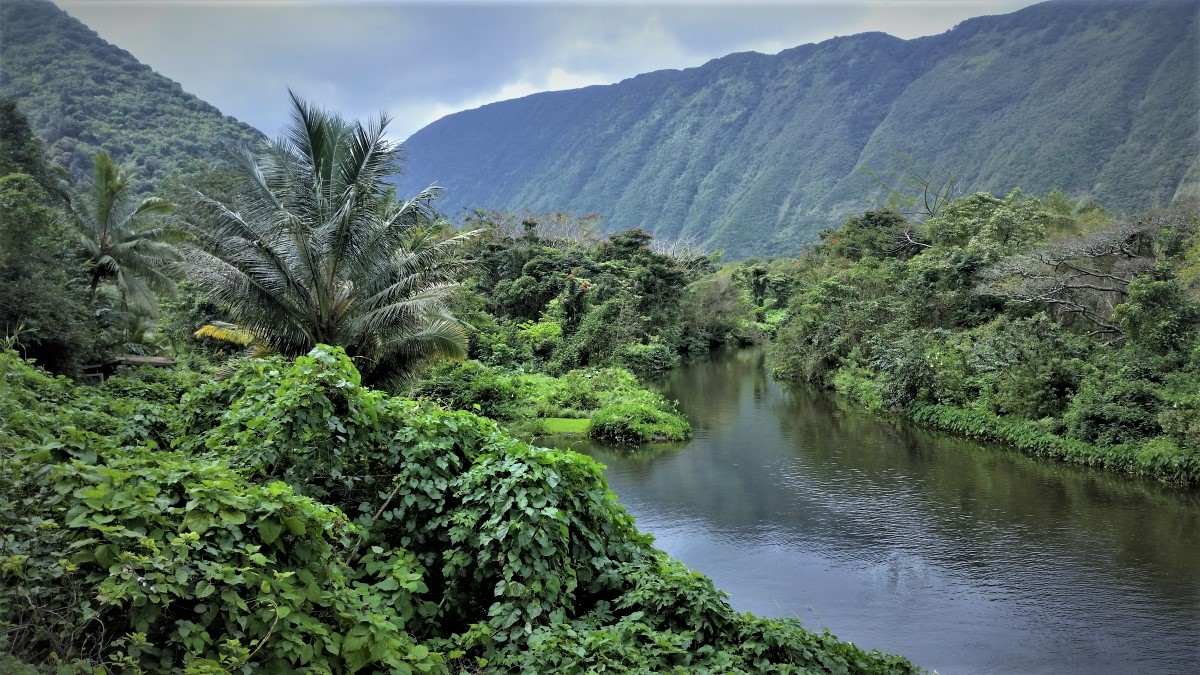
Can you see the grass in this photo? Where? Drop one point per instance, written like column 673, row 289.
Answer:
column 565, row 425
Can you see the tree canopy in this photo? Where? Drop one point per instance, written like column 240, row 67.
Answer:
column 315, row 248
column 123, row 238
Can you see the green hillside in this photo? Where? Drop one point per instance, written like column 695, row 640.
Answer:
column 83, row 95
column 755, row 154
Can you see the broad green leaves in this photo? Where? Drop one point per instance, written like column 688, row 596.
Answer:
column 293, row 520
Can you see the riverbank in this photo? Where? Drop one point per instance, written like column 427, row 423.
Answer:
column 965, row 557
column 1156, row 458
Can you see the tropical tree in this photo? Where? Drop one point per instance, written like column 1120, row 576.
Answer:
column 123, row 238
column 21, row 151
column 315, row 248
column 40, row 308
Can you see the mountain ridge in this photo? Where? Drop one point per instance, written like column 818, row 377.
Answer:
column 755, row 153
column 83, row 95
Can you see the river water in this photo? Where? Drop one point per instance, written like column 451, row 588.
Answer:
column 966, row 559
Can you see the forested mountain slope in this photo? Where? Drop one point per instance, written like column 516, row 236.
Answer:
column 755, row 154
column 83, row 95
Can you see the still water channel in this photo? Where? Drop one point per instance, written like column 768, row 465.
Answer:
column 966, row 559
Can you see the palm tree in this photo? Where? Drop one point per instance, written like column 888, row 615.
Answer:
column 315, row 248
column 123, row 238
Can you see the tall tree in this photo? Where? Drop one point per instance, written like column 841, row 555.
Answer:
column 315, row 248
column 123, row 237
column 42, row 311
column 39, row 305
column 21, row 152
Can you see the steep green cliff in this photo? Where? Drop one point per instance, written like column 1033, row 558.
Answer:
column 83, row 95
column 754, row 154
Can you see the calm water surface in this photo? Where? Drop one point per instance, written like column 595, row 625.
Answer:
column 965, row 559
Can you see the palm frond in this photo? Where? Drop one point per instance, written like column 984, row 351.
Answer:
column 226, row 332
column 317, row 249
column 443, row 337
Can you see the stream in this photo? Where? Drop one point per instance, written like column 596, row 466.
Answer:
column 964, row 558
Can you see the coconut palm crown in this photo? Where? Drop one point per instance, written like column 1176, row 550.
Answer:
column 314, row 248
column 124, row 239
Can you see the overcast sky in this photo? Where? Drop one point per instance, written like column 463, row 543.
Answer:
column 422, row 60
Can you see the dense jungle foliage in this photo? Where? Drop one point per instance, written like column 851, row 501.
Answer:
column 71, row 304
column 268, row 506
column 275, row 514
column 289, row 518
column 1036, row 322
column 561, row 315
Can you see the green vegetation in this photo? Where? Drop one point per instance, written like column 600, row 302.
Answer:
column 21, row 152
column 274, row 267
column 564, row 425
column 631, row 422
column 280, row 514
column 289, row 518
column 550, row 295
column 1031, row 321
column 45, row 305
column 620, row 410
column 755, row 154
column 123, row 238
column 39, row 303
column 314, row 247
column 562, row 318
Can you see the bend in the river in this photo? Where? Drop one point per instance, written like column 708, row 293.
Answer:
column 966, row 559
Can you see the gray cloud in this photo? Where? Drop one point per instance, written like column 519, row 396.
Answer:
column 422, row 60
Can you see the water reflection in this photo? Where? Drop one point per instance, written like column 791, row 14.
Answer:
column 966, row 559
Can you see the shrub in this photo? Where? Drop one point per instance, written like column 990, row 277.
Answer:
column 1159, row 458
column 651, row 358
column 862, row 385
column 116, row 551
column 154, row 561
column 1180, row 414
column 414, row 476
column 637, row 422
column 542, row 337
column 1113, row 408
column 1028, row 367
column 471, row 385
column 673, row 620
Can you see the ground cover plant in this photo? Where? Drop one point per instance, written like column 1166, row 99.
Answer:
column 289, row 518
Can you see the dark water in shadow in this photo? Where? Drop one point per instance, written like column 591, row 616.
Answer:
column 965, row 559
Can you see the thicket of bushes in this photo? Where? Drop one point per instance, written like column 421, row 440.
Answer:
column 620, row 409
column 288, row 518
column 1031, row 321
